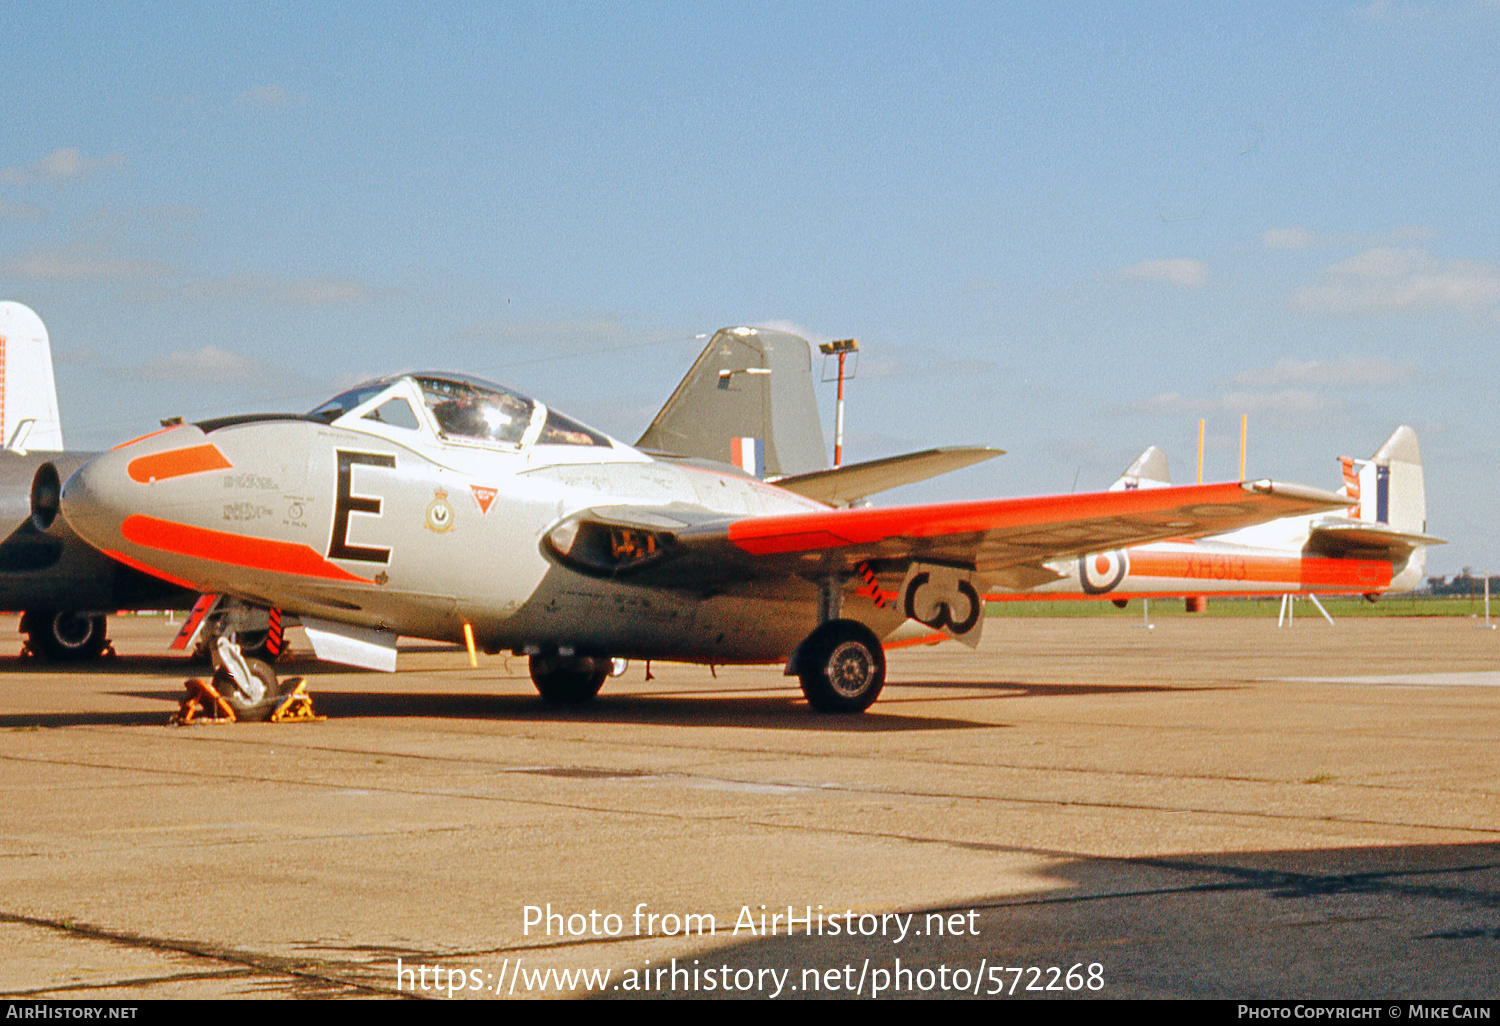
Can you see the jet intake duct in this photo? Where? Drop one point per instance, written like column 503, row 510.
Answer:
column 603, row 549
column 46, row 495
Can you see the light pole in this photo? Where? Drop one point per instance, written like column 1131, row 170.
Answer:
column 842, row 348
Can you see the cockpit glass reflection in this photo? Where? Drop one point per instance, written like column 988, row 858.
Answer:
column 466, row 409
column 342, row 403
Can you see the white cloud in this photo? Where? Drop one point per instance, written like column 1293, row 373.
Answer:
column 909, row 362
column 1286, row 402
column 214, row 366
column 1389, row 280
column 314, row 290
column 19, row 210
column 157, row 216
column 270, row 96
column 1186, row 273
column 584, row 333
column 59, row 165
column 1298, row 237
column 1350, row 371
column 82, row 263
column 817, row 338
column 1289, row 238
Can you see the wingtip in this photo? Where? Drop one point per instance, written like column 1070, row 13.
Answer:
column 1265, row 486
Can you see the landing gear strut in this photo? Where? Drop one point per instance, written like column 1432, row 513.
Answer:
column 244, row 689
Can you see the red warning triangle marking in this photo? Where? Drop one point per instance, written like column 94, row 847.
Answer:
column 483, row 496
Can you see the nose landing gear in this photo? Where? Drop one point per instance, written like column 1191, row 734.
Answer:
column 244, row 689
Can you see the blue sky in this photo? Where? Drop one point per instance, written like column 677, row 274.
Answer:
column 1068, row 230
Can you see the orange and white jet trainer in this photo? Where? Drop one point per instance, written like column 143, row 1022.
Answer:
column 1377, row 543
column 442, row 506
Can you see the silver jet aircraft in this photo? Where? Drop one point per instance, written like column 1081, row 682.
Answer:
column 441, row 506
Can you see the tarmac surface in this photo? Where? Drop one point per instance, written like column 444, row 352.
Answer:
column 1212, row 808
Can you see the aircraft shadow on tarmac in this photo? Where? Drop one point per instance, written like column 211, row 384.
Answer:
column 778, row 712
column 1398, row 922
column 680, row 708
column 158, row 665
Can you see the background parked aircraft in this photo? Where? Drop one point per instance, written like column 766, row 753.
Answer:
column 1377, row 544
column 63, row 587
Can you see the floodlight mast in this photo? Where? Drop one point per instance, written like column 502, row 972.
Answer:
column 841, row 348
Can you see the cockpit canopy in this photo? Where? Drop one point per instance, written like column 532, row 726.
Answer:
column 460, row 408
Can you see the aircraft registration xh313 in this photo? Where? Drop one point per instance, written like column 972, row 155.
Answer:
column 441, row 506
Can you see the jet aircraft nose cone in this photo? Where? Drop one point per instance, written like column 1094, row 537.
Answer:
column 92, row 498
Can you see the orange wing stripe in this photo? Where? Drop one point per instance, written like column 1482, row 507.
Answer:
column 160, row 466
column 798, row 532
column 237, row 549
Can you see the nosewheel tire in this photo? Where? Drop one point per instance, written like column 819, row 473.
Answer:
column 244, row 707
column 565, row 682
column 66, row 637
column 842, row 667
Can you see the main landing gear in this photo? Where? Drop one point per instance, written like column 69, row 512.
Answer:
column 65, row 637
column 569, row 680
column 841, row 666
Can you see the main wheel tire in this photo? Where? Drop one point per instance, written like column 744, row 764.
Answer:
column 244, row 709
column 560, row 682
column 66, row 637
column 842, row 667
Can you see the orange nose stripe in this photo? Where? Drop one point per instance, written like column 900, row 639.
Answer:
column 160, row 466
column 236, row 549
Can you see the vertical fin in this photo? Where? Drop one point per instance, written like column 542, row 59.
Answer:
column 1401, row 495
column 27, row 388
column 1148, row 471
column 747, row 400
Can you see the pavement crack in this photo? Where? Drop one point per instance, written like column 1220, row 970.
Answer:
column 315, row 970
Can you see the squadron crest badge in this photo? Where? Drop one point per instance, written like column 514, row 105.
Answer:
column 439, row 513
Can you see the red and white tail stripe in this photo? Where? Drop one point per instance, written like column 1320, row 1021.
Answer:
column 1351, row 483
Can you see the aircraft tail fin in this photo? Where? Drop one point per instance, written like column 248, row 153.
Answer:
column 1388, row 487
column 747, row 400
column 1388, row 518
column 1148, row 471
column 28, row 393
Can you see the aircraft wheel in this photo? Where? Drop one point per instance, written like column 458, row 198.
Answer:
column 841, row 666
column 66, row 637
column 563, row 682
column 245, row 709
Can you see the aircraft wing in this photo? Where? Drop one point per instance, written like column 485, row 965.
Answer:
column 669, row 547
column 853, row 481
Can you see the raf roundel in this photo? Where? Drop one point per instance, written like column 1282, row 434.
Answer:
column 1103, row 571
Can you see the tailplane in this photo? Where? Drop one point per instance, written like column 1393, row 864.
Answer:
column 747, row 400
column 28, row 393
